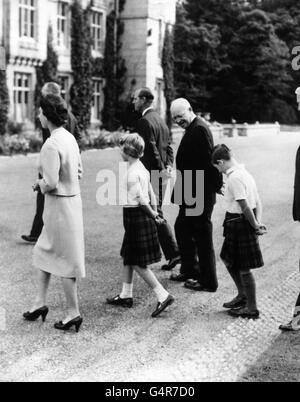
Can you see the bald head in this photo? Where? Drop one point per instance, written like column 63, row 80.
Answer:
column 182, row 112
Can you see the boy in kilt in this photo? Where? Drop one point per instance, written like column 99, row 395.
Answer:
column 241, row 251
column 141, row 246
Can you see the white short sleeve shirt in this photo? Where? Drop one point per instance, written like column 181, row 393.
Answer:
column 137, row 185
column 240, row 186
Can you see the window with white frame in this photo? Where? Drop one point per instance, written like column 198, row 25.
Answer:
column 27, row 19
column 97, row 104
column 97, row 27
column 62, row 24
column 65, row 87
column 22, row 101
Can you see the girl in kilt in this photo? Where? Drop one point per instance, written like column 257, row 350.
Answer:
column 141, row 246
column 241, row 251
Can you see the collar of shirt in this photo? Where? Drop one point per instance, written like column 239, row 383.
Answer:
column 56, row 131
column 233, row 169
column 146, row 110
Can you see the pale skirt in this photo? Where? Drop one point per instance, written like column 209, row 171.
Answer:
column 60, row 248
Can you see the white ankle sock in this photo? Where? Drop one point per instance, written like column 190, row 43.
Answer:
column 127, row 291
column 161, row 293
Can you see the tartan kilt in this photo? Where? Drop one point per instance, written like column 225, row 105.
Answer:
column 141, row 244
column 241, row 248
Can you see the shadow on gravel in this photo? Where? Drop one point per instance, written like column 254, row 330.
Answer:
column 280, row 363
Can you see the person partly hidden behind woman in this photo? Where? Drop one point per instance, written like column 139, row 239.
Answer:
column 241, row 251
column 60, row 248
column 141, row 246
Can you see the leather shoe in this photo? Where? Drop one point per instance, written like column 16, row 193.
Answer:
column 162, row 306
column 292, row 326
column 193, row 284
column 171, row 264
column 237, row 302
column 29, row 239
column 178, row 278
column 117, row 301
column 288, row 327
column 245, row 313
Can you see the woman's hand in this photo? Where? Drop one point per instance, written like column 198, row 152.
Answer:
column 261, row 229
column 158, row 220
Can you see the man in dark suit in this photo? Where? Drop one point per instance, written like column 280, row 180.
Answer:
column 50, row 88
column 158, row 158
column 294, row 325
column 194, row 231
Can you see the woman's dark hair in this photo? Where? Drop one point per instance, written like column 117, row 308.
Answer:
column 55, row 109
column 221, row 152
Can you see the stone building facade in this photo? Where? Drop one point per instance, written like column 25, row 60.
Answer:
column 23, row 32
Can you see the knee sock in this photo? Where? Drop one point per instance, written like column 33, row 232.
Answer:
column 236, row 276
column 127, row 291
column 249, row 290
column 161, row 293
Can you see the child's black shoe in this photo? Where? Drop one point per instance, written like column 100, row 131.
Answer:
column 245, row 313
column 117, row 301
column 237, row 302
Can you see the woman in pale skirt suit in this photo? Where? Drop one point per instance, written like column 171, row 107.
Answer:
column 60, row 248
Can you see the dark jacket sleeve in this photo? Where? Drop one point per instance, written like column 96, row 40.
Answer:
column 202, row 155
column 296, row 204
column 152, row 159
column 170, row 155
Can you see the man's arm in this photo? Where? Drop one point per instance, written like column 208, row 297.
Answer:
column 170, row 154
column 203, row 157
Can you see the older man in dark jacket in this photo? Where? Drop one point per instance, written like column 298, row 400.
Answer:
column 158, row 158
column 294, row 325
column 194, row 231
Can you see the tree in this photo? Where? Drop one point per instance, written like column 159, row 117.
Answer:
column 233, row 58
column 255, row 86
column 114, row 70
column 197, row 59
column 47, row 72
column 168, row 68
column 4, row 102
column 82, row 65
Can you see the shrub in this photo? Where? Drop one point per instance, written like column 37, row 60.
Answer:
column 20, row 143
column 101, row 139
column 4, row 102
column 31, row 141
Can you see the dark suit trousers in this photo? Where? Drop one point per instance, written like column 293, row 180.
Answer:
column 195, row 239
column 166, row 238
column 38, row 223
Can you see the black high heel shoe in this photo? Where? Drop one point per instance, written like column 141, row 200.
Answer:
column 35, row 315
column 77, row 322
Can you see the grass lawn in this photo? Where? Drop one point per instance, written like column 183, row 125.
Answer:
column 115, row 342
